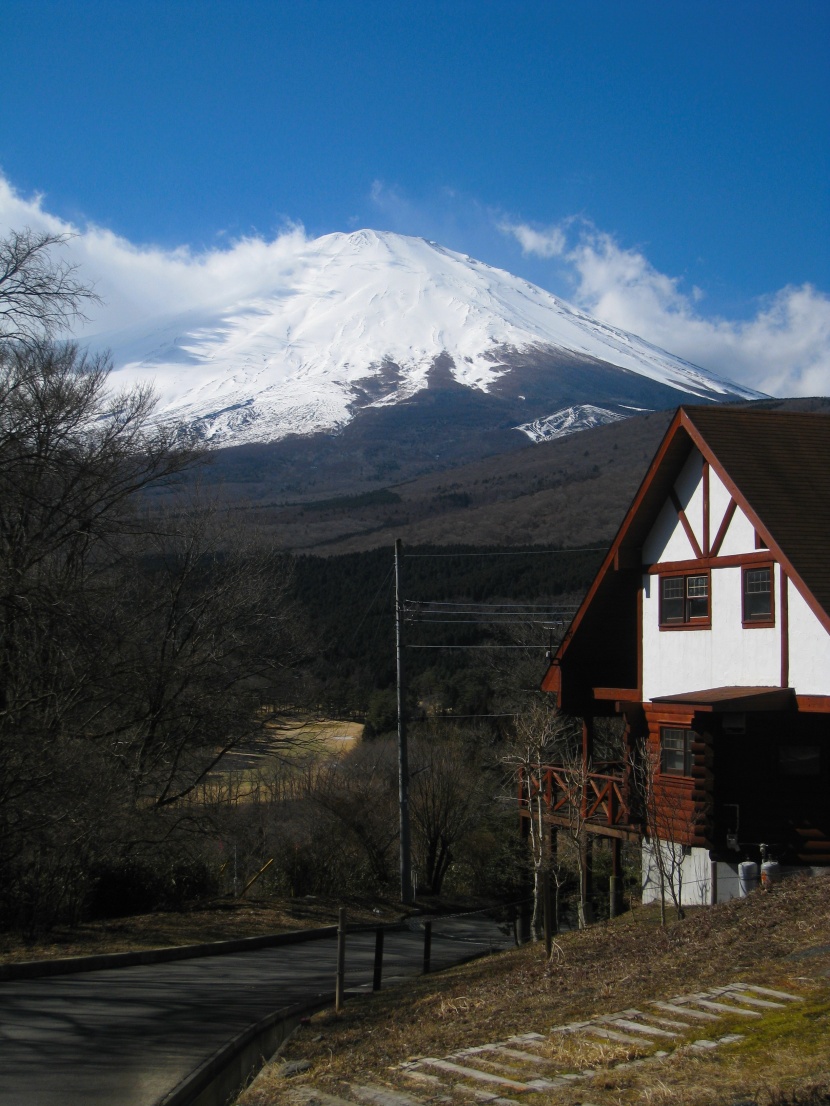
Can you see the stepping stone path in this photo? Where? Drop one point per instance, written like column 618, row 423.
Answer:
column 500, row 1073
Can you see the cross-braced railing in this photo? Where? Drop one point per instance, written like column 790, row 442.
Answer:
column 600, row 797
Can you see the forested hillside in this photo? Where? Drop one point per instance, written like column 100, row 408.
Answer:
column 570, row 492
column 511, row 599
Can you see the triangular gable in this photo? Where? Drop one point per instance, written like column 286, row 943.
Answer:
column 744, row 438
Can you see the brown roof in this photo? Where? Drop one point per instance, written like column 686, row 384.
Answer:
column 779, row 462
column 733, row 698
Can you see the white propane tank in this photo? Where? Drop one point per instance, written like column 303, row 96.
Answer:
column 770, row 873
column 747, row 877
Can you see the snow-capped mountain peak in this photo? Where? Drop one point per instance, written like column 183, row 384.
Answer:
column 361, row 320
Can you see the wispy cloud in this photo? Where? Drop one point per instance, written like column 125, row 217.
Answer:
column 783, row 349
column 141, row 282
column 547, row 242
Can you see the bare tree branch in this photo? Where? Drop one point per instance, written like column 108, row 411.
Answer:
column 39, row 296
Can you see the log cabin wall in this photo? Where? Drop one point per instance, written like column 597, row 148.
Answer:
column 682, row 809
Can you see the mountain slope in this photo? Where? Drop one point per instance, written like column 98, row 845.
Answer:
column 368, row 321
column 568, row 492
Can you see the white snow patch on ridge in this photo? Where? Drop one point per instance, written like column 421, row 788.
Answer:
column 317, row 342
column 570, row 420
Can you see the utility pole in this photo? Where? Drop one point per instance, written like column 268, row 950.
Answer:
column 403, row 757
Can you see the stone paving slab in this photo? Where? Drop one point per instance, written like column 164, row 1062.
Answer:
column 504, row 1073
column 699, row 1015
column 766, row 991
column 613, row 1035
column 708, row 1004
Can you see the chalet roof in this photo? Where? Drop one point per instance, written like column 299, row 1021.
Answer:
column 718, row 699
column 775, row 464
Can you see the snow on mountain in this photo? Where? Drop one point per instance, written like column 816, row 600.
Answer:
column 582, row 416
column 358, row 320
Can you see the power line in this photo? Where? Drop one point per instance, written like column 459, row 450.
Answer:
column 419, row 604
column 484, row 622
column 458, row 717
column 511, row 553
column 477, row 646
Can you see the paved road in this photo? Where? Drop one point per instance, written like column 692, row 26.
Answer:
column 126, row 1037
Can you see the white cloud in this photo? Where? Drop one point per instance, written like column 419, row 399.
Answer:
column 138, row 282
column 784, row 349
column 548, row 242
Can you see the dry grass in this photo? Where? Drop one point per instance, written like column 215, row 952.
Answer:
column 221, row 921
column 247, row 771
column 778, row 938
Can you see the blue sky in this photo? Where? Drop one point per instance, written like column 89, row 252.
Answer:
column 665, row 164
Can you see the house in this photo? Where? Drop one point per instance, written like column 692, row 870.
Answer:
column 705, row 637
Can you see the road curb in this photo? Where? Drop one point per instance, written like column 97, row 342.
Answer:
column 35, row 969
column 224, row 1076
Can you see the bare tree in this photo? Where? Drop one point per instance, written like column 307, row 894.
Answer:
column 39, row 296
column 448, row 793
column 136, row 647
column 72, row 461
column 573, row 779
column 545, row 738
column 666, row 825
column 360, row 789
column 202, row 631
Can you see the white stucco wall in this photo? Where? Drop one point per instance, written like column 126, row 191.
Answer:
column 678, row 660
column 667, row 539
column 675, row 661
column 740, row 536
column 696, row 872
column 809, row 648
column 693, row 869
column 719, row 499
column 681, row 660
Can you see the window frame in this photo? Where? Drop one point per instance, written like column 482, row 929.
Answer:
column 688, row 756
column 766, row 620
column 688, row 622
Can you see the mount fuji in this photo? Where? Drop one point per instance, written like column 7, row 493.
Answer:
column 358, row 324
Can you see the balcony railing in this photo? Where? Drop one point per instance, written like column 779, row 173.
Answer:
column 600, row 797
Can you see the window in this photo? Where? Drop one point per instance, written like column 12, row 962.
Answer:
column 684, row 600
column 676, row 752
column 758, row 599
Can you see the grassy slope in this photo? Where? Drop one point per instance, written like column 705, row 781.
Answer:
column 780, row 938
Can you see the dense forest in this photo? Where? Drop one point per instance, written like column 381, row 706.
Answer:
column 458, row 600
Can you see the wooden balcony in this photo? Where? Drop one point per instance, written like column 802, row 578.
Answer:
column 599, row 800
